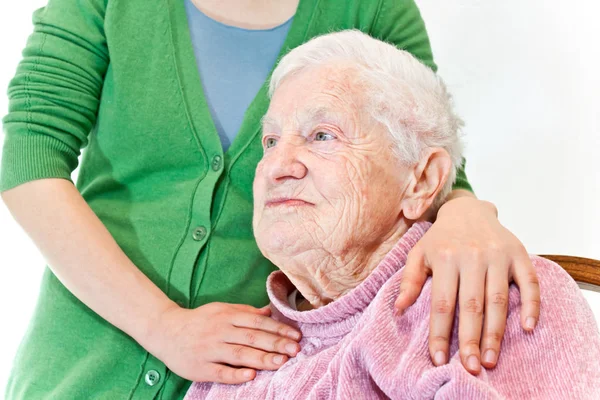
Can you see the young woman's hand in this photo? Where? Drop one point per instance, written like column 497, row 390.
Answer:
column 469, row 253
column 221, row 342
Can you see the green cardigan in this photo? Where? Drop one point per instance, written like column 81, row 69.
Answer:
column 119, row 78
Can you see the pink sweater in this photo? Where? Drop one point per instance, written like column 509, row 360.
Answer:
column 355, row 348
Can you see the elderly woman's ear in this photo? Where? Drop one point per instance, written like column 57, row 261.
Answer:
column 426, row 181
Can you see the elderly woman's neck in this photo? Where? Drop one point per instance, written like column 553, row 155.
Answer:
column 325, row 277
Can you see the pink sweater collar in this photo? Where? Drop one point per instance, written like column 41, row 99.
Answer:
column 339, row 317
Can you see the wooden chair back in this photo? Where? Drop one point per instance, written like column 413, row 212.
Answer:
column 585, row 271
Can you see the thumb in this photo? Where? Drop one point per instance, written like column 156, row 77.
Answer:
column 266, row 310
column 414, row 276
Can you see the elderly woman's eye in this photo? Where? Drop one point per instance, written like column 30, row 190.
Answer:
column 270, row 142
column 322, row 136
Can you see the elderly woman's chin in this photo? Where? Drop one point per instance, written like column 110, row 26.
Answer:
column 277, row 232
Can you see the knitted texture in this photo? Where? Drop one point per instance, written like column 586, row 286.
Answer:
column 356, row 348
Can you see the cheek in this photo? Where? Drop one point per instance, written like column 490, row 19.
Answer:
column 383, row 196
column 259, row 185
column 351, row 181
column 371, row 188
column 335, row 178
column 258, row 194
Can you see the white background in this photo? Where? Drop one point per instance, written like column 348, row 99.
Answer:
column 524, row 77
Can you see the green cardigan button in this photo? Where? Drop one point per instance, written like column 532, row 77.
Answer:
column 216, row 163
column 199, row 233
column 152, row 377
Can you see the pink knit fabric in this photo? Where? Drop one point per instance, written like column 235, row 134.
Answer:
column 355, row 348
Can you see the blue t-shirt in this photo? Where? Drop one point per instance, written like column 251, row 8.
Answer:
column 233, row 64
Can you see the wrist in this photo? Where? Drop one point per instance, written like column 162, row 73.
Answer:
column 153, row 332
column 469, row 203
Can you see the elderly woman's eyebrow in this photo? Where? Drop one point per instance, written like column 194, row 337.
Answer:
column 268, row 122
column 322, row 113
column 305, row 118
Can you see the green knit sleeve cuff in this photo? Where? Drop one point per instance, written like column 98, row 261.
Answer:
column 461, row 181
column 30, row 157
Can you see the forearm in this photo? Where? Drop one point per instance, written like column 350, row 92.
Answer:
column 85, row 257
column 466, row 196
column 456, row 194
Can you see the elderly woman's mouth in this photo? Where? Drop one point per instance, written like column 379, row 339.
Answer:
column 286, row 202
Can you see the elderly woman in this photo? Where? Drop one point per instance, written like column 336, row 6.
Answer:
column 360, row 141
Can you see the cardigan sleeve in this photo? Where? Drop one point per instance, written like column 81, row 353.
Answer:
column 399, row 22
column 55, row 93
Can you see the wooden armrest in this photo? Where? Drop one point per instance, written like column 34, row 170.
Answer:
column 585, row 271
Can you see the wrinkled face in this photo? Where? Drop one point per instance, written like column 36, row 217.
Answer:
column 328, row 179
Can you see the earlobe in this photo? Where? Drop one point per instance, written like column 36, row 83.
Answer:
column 414, row 210
column 428, row 179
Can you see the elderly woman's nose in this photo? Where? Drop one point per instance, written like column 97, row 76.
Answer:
column 284, row 163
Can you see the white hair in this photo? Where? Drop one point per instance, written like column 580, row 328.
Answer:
column 402, row 94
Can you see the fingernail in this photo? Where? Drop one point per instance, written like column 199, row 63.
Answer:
column 291, row 348
column 248, row 373
column 439, row 358
column 278, row 359
column 489, row 357
column 530, row 323
column 294, row 335
column 473, row 363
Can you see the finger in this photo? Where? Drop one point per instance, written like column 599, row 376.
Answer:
column 414, row 276
column 526, row 277
column 232, row 376
column 266, row 310
column 264, row 323
column 444, row 287
column 262, row 341
column 496, row 310
column 470, row 319
column 244, row 356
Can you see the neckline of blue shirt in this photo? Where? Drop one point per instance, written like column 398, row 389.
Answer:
column 237, row 28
